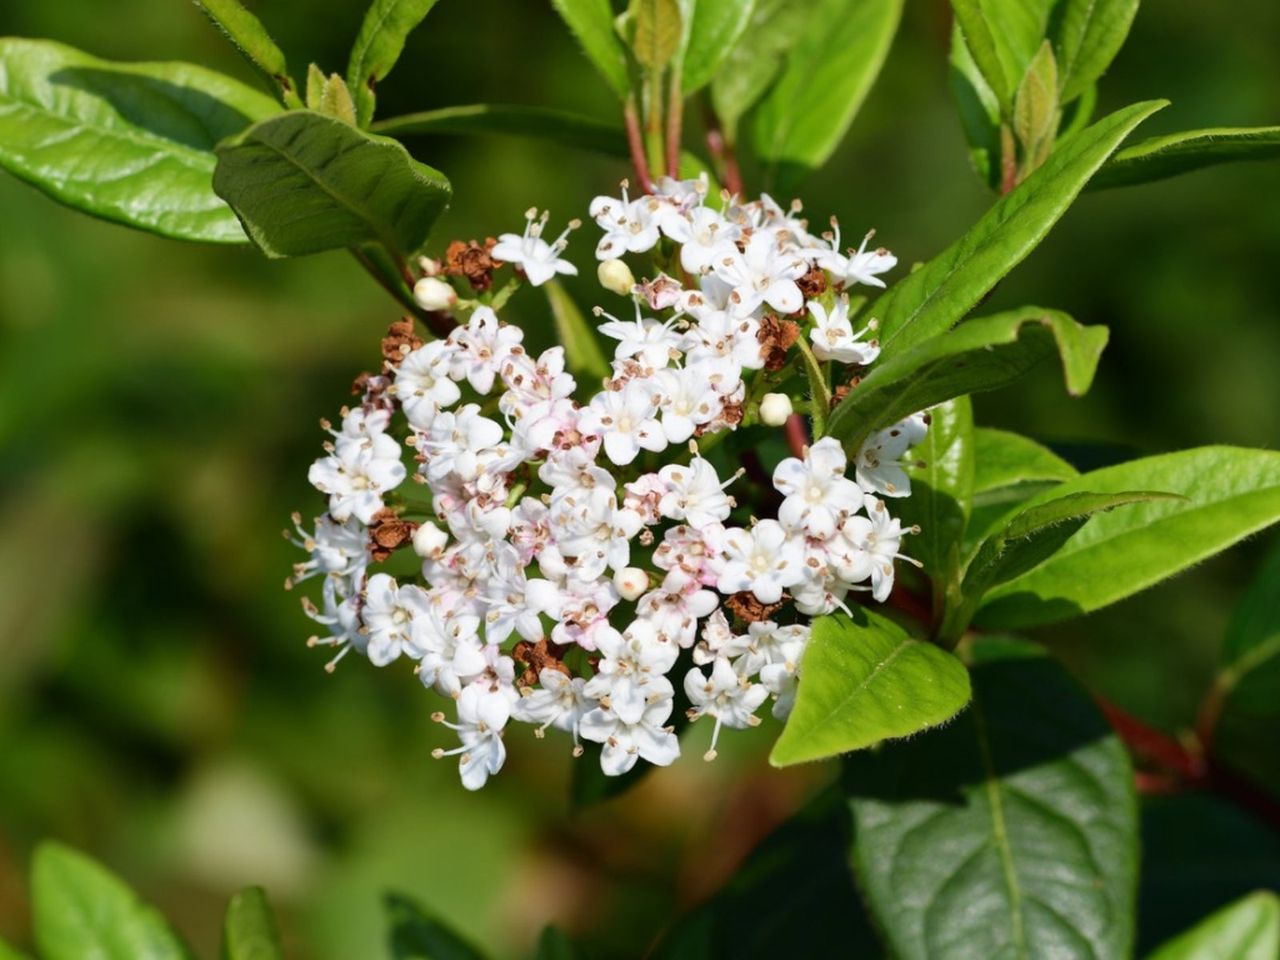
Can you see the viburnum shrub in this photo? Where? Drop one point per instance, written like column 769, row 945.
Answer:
column 746, row 486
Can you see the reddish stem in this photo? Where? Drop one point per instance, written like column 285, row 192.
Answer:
column 723, row 153
column 635, row 143
column 797, row 435
column 675, row 124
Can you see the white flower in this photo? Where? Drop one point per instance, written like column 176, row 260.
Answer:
column 422, row 383
column 833, row 337
column 429, row 540
column 394, row 619
column 559, row 702
column 674, row 611
column 455, row 443
column 695, row 493
column 335, row 549
column 651, row 342
column 342, row 616
column 687, row 400
column 624, row 420
column 718, row 640
column 631, row 583
column 594, row 532
column 632, row 670
column 818, row 495
column 705, row 236
column 879, row 466
column 615, row 276
column 452, row 655
column 865, row 265
column 630, row 226
column 730, row 698
column 356, row 482
column 624, row 743
column 479, row 727
column 539, row 260
column 481, row 347
column 764, row 560
column 867, row 547
column 763, row 273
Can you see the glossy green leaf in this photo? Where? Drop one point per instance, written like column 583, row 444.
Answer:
column 249, row 929
column 582, row 351
column 544, row 123
column 1003, row 459
column 829, row 73
column 1003, row 36
column 1177, row 153
column 416, row 935
column 132, row 143
column 941, row 489
column 793, row 896
column 80, row 910
column 1087, row 35
column 250, row 37
column 591, row 22
column 387, row 25
column 863, row 680
column 754, row 63
column 302, row 182
column 714, row 30
column 1248, row 929
column 935, row 297
column 1009, row 833
column 1229, row 494
column 981, row 354
column 979, row 110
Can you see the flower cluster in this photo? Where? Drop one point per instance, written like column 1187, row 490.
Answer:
column 584, row 554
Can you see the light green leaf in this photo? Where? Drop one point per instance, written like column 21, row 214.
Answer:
column 716, row 26
column 387, row 25
column 11, row 953
column 302, row 182
column 1003, row 36
column 329, row 95
column 754, row 63
column 1009, row 833
column 979, row 110
column 939, row 294
column 1177, row 153
column 828, row 74
column 415, row 935
column 582, row 350
column 131, row 143
column 981, row 354
column 250, row 37
column 941, row 490
column 1248, row 929
column 249, row 929
column 1087, row 35
column 80, row 910
column 591, row 22
column 1003, row 459
column 657, row 27
column 1230, row 493
column 545, row 123
column 863, row 680
column 1035, row 109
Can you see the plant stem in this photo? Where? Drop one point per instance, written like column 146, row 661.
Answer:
column 723, row 154
column 635, row 144
column 797, row 435
column 821, row 394
column 675, row 121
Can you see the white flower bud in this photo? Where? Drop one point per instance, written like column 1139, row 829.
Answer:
column 631, row 582
column 434, row 294
column 774, row 409
column 616, row 276
column 429, row 540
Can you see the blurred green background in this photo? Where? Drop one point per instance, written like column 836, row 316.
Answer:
column 158, row 408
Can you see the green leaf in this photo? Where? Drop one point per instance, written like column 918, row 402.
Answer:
column 1248, row 929
column 1246, row 693
column 1035, row 109
column 1177, row 153
column 329, row 95
column 863, row 680
column 1003, row 459
column 1003, row 36
column 1087, row 35
column 1010, row 833
column 981, row 354
column 250, row 37
column 559, row 126
column 249, row 930
column 941, row 489
column 387, row 25
column 1230, row 493
column 554, row 944
column 979, row 110
column 417, row 936
column 11, row 953
column 302, row 182
column 714, row 29
column 656, row 28
column 591, row 22
column 131, row 143
column 582, row 351
column 81, row 910
column 935, row 297
column 828, row 74
column 754, row 63
column 793, row 896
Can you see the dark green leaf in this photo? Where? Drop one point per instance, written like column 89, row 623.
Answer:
column 829, row 72
column 250, row 37
column 132, row 143
column 554, row 944
column 582, row 351
column 1087, row 35
column 935, row 297
column 591, row 22
column 715, row 28
column 1010, row 833
column 80, row 910
column 1248, row 929
column 1230, row 493
column 249, row 930
column 387, row 25
column 981, row 354
column 544, row 123
column 302, row 182
column 415, row 935
column 1003, row 459
column 941, row 489
column 754, row 63
column 794, row 896
column 863, row 680
column 1168, row 156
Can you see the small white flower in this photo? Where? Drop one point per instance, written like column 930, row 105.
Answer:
column 865, row 266
column 624, row 420
column 730, row 698
column 394, row 619
column 481, row 348
column 867, row 547
column 705, row 236
column 764, row 560
column 479, row 727
column 818, row 495
column 558, row 702
column 422, row 383
column 539, row 260
column 695, row 493
column 615, row 276
column 355, row 483
column 429, row 540
column 632, row 670
column 833, row 337
column 763, row 273
column 630, row 226
column 434, row 294
column 631, row 583
column 687, row 399
column 775, row 409
column 335, row 549
column 879, row 462
column 651, row 342
column 625, row 743
column 452, row 655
